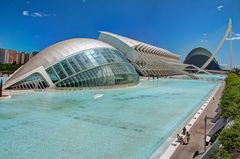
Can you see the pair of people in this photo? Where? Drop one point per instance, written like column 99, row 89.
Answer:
column 181, row 139
column 184, row 131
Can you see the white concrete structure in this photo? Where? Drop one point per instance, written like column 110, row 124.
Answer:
column 74, row 63
column 110, row 60
column 148, row 59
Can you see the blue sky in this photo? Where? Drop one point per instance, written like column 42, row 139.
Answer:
column 176, row 25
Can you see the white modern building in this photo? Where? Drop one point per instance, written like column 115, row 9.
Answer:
column 74, row 63
column 147, row 59
column 111, row 60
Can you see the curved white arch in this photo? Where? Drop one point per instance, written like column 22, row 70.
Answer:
column 228, row 32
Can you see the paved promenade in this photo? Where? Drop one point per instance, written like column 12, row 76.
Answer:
column 197, row 131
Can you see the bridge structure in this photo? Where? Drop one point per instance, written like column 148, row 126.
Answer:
column 228, row 34
column 149, row 63
column 149, row 60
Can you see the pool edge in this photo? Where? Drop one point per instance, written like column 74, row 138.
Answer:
column 189, row 124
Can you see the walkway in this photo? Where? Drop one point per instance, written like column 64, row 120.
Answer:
column 197, row 131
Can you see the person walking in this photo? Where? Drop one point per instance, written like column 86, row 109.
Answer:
column 184, row 130
column 188, row 137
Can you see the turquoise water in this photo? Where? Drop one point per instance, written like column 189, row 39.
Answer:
column 212, row 77
column 3, row 79
column 122, row 123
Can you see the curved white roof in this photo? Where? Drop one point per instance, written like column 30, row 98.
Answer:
column 128, row 41
column 137, row 44
column 58, row 52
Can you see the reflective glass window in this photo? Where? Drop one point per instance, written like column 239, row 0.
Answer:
column 120, row 55
column 73, row 64
column 80, row 62
column 86, row 60
column 59, row 71
column 66, row 67
column 89, row 54
column 52, row 74
column 97, row 55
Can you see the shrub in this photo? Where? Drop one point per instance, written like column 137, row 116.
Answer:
column 230, row 101
column 230, row 137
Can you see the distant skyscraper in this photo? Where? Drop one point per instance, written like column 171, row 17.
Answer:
column 22, row 57
column 12, row 57
column 4, row 56
column 26, row 57
column 18, row 59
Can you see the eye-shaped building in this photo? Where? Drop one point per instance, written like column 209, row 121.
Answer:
column 112, row 60
column 74, row 63
column 199, row 56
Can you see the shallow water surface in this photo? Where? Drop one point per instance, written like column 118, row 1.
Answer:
column 119, row 123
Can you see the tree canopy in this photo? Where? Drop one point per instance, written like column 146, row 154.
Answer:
column 9, row 68
column 230, row 106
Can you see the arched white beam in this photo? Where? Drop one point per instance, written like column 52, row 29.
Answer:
column 229, row 30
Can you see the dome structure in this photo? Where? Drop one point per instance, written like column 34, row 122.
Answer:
column 199, row 56
column 76, row 62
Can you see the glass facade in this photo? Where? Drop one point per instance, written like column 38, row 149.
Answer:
column 34, row 81
column 92, row 68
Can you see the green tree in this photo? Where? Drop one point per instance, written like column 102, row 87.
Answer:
column 230, row 137
column 230, row 106
column 221, row 153
column 9, row 68
column 230, row 102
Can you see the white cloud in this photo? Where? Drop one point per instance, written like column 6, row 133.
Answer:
column 234, row 38
column 25, row 13
column 237, row 34
column 219, row 8
column 37, row 14
column 203, row 41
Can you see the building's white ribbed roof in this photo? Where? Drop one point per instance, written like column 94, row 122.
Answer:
column 58, row 52
column 128, row 41
column 137, row 44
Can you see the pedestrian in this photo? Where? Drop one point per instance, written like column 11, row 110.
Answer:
column 195, row 154
column 180, row 139
column 184, row 130
column 188, row 137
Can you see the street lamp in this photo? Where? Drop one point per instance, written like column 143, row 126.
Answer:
column 1, row 88
column 205, row 131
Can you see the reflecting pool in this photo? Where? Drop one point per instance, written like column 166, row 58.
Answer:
column 3, row 79
column 118, row 123
column 212, row 77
